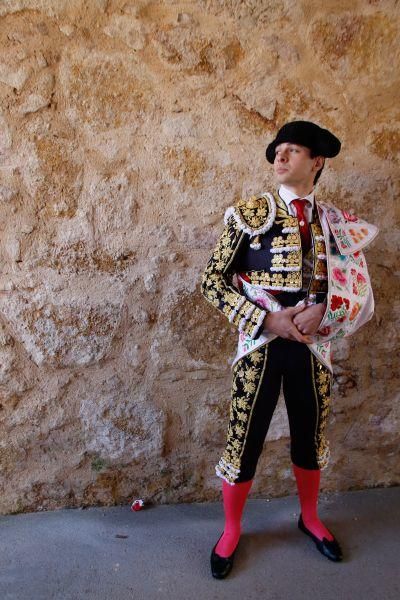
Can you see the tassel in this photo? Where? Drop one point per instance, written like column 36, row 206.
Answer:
column 255, row 244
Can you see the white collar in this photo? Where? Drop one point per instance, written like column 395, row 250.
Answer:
column 287, row 196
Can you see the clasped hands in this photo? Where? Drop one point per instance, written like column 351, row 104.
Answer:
column 297, row 323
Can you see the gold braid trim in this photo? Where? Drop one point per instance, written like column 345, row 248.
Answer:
column 322, row 379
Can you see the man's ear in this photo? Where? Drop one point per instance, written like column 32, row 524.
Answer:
column 319, row 162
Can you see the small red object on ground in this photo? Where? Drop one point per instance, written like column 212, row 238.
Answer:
column 137, row 505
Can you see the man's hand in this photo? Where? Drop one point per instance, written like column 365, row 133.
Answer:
column 282, row 323
column 309, row 320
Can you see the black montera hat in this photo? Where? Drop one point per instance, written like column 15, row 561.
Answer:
column 321, row 141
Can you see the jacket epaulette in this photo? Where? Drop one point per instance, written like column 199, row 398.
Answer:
column 254, row 215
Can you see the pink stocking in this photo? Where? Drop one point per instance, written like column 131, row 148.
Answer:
column 308, row 488
column 234, row 497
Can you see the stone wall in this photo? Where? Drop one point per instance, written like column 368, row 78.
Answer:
column 126, row 129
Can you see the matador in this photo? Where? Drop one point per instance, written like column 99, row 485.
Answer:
column 289, row 273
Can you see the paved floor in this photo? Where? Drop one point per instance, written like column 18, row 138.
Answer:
column 163, row 552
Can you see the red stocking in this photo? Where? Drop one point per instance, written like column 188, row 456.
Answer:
column 308, row 488
column 234, row 497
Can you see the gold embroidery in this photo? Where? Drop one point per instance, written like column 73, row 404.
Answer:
column 318, row 282
column 286, row 272
column 322, row 387
column 254, row 211
column 290, row 240
column 280, row 281
column 316, row 228
column 292, row 260
column 242, row 312
column 320, row 268
column 256, row 357
column 320, row 247
column 217, row 285
column 278, row 260
column 247, row 377
column 282, row 209
column 289, row 221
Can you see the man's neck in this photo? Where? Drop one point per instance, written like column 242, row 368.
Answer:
column 300, row 190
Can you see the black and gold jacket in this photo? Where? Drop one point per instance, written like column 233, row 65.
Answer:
column 262, row 242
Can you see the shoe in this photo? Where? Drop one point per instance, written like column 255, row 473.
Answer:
column 221, row 566
column 329, row 548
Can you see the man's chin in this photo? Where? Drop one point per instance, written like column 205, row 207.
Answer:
column 282, row 177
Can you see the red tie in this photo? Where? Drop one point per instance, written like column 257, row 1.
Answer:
column 300, row 205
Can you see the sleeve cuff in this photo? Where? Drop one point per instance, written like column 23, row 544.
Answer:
column 255, row 325
column 249, row 319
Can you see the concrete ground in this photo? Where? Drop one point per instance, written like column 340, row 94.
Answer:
column 163, row 552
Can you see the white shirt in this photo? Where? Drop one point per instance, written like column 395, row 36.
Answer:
column 287, row 196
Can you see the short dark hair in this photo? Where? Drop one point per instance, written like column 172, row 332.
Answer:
column 318, row 174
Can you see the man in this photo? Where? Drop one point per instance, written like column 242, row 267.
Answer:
column 289, row 273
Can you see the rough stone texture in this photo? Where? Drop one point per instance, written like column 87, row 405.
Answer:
column 126, row 129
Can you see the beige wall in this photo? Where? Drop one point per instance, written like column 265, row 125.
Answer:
column 126, row 129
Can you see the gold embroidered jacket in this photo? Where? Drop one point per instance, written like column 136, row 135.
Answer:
column 275, row 261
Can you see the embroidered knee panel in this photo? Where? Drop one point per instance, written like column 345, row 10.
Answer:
column 247, row 378
column 322, row 388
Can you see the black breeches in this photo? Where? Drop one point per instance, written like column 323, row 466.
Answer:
column 257, row 380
